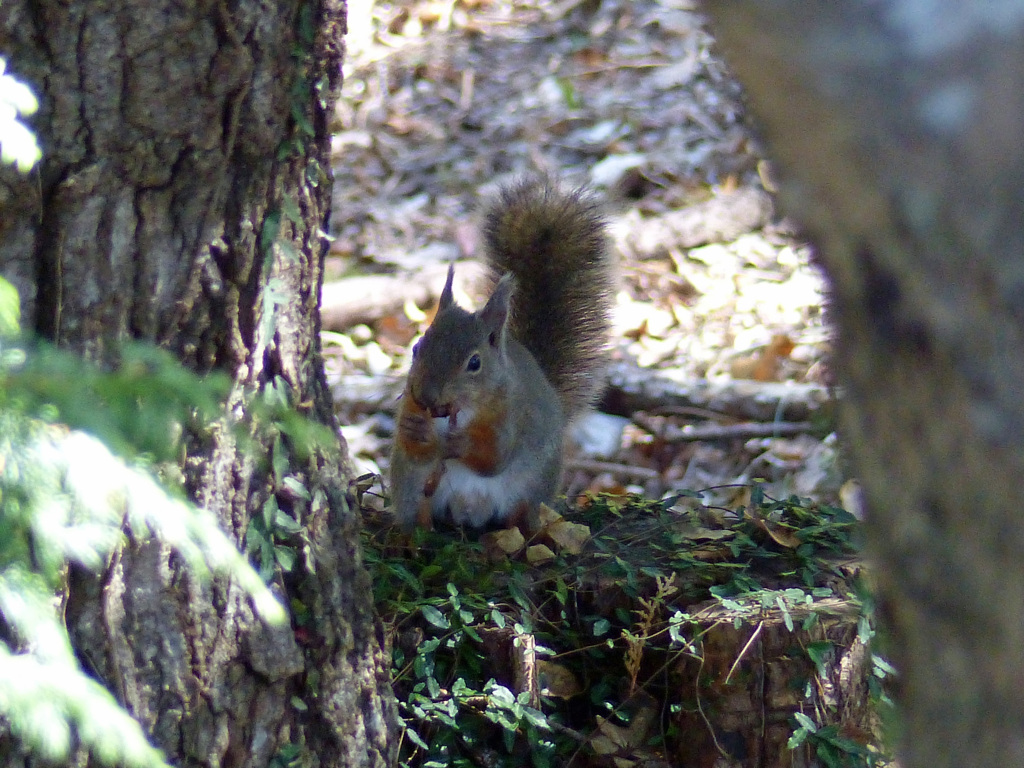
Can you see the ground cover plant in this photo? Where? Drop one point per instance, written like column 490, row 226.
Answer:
column 632, row 642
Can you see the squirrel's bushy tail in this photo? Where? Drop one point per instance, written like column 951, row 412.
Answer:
column 554, row 244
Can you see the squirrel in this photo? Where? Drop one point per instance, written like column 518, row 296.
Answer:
column 482, row 421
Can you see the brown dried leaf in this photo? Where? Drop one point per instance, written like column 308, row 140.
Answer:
column 503, row 543
column 611, row 739
column 608, row 739
column 538, row 554
column 780, row 534
column 711, row 554
column 569, row 537
column 547, row 516
column 765, row 365
column 556, row 680
column 700, row 533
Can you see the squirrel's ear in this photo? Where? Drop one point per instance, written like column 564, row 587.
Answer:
column 447, row 299
column 495, row 312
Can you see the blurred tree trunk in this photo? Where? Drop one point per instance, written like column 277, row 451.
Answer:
column 897, row 126
column 181, row 199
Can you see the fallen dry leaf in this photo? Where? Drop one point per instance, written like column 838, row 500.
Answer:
column 782, row 535
column 700, row 533
column 766, row 364
column 503, row 543
column 557, row 680
column 538, row 554
column 569, row 537
column 546, row 515
column 608, row 738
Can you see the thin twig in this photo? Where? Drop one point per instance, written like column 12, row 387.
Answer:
column 702, row 432
column 589, row 465
column 753, row 637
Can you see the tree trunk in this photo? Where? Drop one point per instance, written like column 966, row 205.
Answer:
column 181, row 200
column 897, row 127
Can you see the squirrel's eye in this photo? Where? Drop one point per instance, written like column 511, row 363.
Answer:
column 474, row 363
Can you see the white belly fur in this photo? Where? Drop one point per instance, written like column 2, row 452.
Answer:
column 479, row 499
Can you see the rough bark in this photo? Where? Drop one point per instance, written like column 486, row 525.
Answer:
column 185, row 181
column 896, row 125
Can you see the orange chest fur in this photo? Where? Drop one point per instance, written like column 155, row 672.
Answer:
column 481, row 444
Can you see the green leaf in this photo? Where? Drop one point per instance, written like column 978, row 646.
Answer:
column 290, row 147
column 561, row 591
column 268, row 513
column 290, row 209
column 519, row 595
column 805, row 722
column 880, row 667
column 430, row 571
column 10, row 309
column 267, row 560
column 435, row 617
column 285, row 557
column 296, row 486
column 254, row 539
column 302, row 120
column 799, row 737
column 433, row 687
column 277, row 395
column 757, row 495
column 286, row 524
column 403, row 573
column 786, row 618
column 415, row 738
column 271, row 229
column 819, row 653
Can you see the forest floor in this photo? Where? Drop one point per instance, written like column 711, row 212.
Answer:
column 445, row 100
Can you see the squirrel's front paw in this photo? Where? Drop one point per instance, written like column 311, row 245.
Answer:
column 433, row 480
column 416, row 427
column 456, row 445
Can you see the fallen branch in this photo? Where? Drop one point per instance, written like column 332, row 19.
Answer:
column 632, row 389
column 692, row 433
column 597, row 467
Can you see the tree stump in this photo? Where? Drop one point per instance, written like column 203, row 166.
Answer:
column 737, row 701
